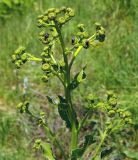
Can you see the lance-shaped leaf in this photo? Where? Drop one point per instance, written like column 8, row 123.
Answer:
column 63, row 111
column 78, row 153
column 64, row 114
column 79, row 77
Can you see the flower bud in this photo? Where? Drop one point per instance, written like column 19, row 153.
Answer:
column 51, row 10
column 13, row 58
column 71, row 13
column 40, row 17
column 51, row 16
column 45, row 18
column 98, row 26
column 63, row 9
column 111, row 113
column 81, row 27
column 24, row 57
column 61, row 20
column 46, row 67
column 37, row 144
column 45, row 78
column 112, row 101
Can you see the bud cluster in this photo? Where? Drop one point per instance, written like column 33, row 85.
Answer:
column 42, row 119
column 55, row 15
column 46, row 62
column 100, row 32
column 23, row 107
column 19, row 57
column 53, row 18
column 110, row 108
column 81, row 37
column 38, row 144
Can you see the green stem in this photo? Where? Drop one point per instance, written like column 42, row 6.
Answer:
column 100, row 144
column 71, row 111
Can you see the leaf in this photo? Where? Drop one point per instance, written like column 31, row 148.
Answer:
column 63, row 111
column 79, row 77
column 53, row 100
column 77, row 153
column 105, row 152
column 47, row 151
column 131, row 154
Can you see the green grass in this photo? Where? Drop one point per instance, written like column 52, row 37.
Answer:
column 112, row 66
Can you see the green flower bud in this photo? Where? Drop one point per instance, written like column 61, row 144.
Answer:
column 57, row 11
column 81, row 27
column 69, row 9
column 45, row 19
column 40, row 17
column 20, row 50
column 111, row 113
column 71, row 13
column 24, row 57
column 110, row 94
column 92, row 98
column 128, row 121
column 45, row 78
column 20, row 105
column 112, row 101
column 42, row 33
column 61, row 20
column 51, row 10
column 37, row 144
column 98, row 26
column 46, row 67
column 63, row 9
column 18, row 64
column 13, row 58
column 51, row 16
column 40, row 23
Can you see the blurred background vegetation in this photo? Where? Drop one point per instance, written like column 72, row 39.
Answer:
column 112, row 66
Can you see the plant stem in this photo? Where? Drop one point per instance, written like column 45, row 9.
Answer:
column 100, row 144
column 71, row 111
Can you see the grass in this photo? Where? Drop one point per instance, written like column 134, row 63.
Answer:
column 112, row 66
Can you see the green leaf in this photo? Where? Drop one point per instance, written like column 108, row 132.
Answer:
column 63, row 111
column 47, row 151
column 79, row 77
column 131, row 154
column 77, row 153
column 105, row 152
column 53, row 100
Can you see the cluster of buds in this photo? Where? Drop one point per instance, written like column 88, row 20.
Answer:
column 42, row 119
column 19, row 57
column 52, row 19
column 55, row 16
column 38, row 144
column 100, row 32
column 46, row 62
column 110, row 108
column 23, row 107
column 81, row 38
